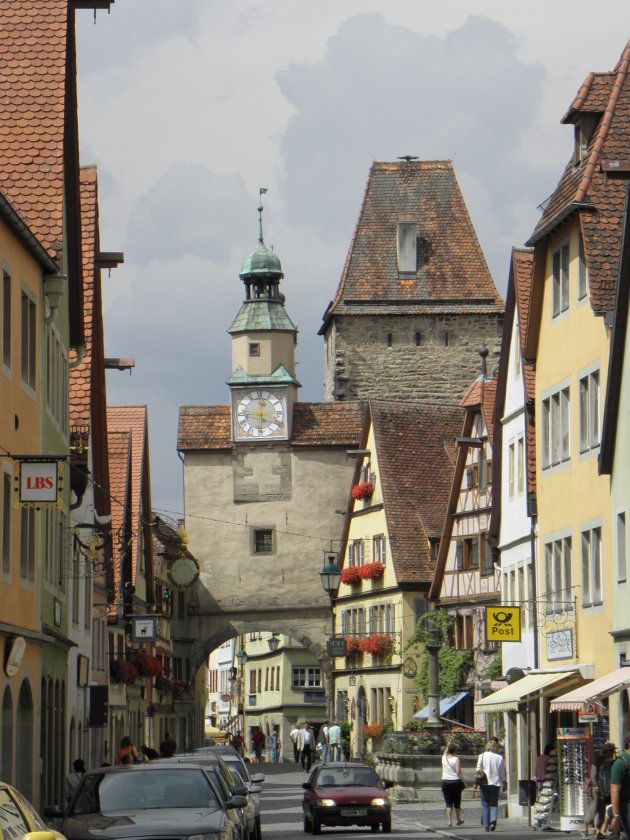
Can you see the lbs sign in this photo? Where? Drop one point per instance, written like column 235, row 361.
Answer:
column 503, row 624
column 38, row 481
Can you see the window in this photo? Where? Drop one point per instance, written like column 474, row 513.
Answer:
column 582, row 270
column 382, row 619
column 467, row 554
column 263, row 541
column 560, row 274
column 464, row 631
column 621, row 547
column 558, row 578
column 252, row 682
column 6, row 319
column 406, row 248
column 27, row 340
column 589, row 411
column 389, row 338
column 482, row 466
column 418, row 339
column 555, row 419
column 444, row 338
column 592, row 567
column 254, row 348
column 6, row 523
column 307, row 677
column 379, row 551
column 511, row 469
column 520, row 466
column 356, row 553
column 27, row 544
column 487, row 561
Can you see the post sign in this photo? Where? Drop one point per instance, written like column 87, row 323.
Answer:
column 503, row 624
column 337, row 646
column 38, row 482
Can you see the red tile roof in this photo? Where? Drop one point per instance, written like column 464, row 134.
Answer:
column 314, row 424
column 482, row 394
column 33, row 37
column 586, row 188
column 132, row 420
column 451, row 267
column 523, row 273
column 414, row 444
column 119, row 449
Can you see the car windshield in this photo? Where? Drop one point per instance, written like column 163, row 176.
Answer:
column 238, row 771
column 346, row 777
column 131, row 790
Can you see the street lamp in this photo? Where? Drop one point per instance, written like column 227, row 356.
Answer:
column 273, row 641
column 241, row 656
column 433, row 646
column 330, row 576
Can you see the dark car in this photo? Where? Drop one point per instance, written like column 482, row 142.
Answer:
column 251, row 781
column 346, row 793
column 150, row 800
column 227, row 786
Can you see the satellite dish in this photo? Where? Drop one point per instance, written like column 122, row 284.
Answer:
column 513, row 675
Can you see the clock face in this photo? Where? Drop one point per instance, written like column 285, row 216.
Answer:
column 183, row 571
column 260, row 414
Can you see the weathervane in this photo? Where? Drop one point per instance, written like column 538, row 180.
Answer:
column 261, row 192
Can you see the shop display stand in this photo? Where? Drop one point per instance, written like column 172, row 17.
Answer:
column 573, row 767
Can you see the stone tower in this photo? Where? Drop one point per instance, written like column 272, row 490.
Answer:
column 416, row 299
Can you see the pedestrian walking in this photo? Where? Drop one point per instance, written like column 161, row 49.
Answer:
column 323, row 740
column 603, row 786
column 273, row 743
column 258, row 744
column 306, row 742
column 591, row 790
column 490, row 784
column 73, row 779
column 168, row 746
column 452, row 785
column 334, row 742
column 294, row 735
column 238, row 742
column 620, row 790
column 127, row 749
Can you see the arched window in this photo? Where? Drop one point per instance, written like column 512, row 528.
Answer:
column 6, row 737
column 24, row 774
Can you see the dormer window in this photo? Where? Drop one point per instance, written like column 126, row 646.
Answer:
column 584, row 129
column 254, row 348
column 406, row 249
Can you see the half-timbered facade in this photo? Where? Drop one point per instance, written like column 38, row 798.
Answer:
column 467, row 579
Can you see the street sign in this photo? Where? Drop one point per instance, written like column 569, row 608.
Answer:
column 337, row 646
column 503, row 624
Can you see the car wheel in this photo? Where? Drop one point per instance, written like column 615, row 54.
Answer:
column 316, row 826
column 387, row 826
column 307, row 825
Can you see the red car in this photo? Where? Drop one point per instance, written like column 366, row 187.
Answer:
column 346, row 793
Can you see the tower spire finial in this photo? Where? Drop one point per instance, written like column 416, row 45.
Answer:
column 261, row 192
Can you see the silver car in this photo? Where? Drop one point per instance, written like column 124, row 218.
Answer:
column 250, row 781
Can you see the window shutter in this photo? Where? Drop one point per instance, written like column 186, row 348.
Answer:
column 459, row 555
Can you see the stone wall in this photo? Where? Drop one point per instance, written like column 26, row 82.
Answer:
column 431, row 358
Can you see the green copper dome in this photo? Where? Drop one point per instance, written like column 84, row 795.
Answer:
column 261, row 261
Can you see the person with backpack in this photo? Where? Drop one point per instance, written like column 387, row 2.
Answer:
column 603, row 785
column 620, row 789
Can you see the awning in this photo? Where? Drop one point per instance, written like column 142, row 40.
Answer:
column 446, row 703
column 527, row 688
column 603, row 687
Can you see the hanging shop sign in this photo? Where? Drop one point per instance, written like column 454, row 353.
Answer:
column 588, row 713
column 144, row 628
column 39, row 482
column 503, row 624
column 337, row 646
column 560, row 644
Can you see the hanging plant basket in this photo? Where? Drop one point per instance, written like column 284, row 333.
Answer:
column 351, row 574
column 363, row 490
column 377, row 643
column 371, row 571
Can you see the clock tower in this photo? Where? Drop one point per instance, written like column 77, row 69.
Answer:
column 263, row 383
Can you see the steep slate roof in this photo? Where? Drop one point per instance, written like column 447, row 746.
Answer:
column 586, row 188
column 452, row 270
column 132, row 419
column 413, row 444
column 204, row 427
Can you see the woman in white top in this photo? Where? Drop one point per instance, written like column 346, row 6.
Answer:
column 452, row 784
column 493, row 766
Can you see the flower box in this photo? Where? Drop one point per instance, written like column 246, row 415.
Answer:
column 371, row 571
column 363, row 490
column 373, row 730
column 353, row 645
column 146, row 664
column 351, row 574
column 377, row 643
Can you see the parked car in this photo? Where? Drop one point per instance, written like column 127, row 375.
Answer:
column 147, row 800
column 252, row 781
column 226, row 785
column 18, row 817
column 346, row 793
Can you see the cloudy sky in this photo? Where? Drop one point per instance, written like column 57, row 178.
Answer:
column 189, row 106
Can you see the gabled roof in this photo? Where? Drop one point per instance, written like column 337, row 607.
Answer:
column 39, row 155
column 132, row 420
column 451, row 269
column 587, row 187
column 414, row 445
column 479, row 398
column 119, row 450
column 516, row 306
column 203, row 427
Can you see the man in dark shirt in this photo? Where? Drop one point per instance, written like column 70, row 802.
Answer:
column 168, row 746
column 620, row 790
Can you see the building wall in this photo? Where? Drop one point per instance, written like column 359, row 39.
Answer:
column 572, row 496
column 361, row 364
